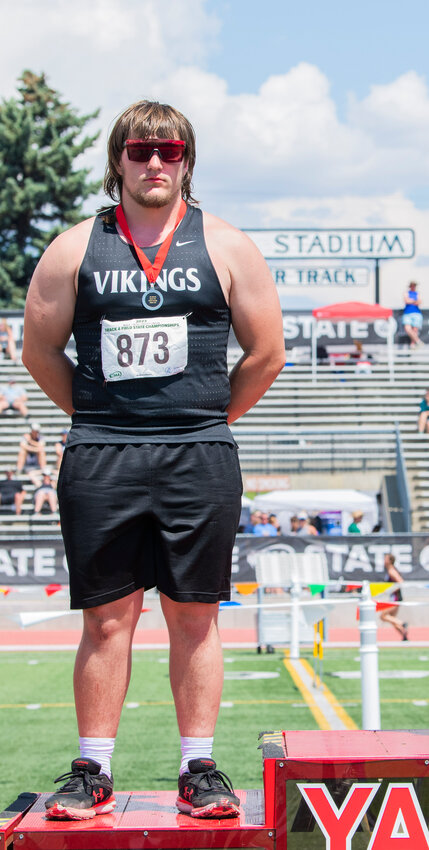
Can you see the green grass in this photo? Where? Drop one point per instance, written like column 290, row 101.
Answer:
column 400, row 698
column 38, row 744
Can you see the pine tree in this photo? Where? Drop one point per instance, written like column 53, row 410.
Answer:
column 41, row 190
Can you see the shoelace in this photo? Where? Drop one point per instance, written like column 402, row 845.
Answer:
column 213, row 775
column 73, row 777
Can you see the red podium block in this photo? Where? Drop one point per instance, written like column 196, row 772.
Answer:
column 347, row 790
column 146, row 819
column 12, row 817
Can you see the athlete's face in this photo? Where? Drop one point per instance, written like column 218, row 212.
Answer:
column 154, row 183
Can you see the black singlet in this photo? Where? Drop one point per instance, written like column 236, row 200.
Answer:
column 189, row 406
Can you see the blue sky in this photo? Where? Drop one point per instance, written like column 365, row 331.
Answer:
column 311, row 114
column 354, row 44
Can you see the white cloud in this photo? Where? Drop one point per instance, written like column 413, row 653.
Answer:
column 288, row 139
column 103, row 52
column 281, row 154
column 396, row 114
column 393, row 210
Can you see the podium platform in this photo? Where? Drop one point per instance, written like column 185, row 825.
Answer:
column 348, row 790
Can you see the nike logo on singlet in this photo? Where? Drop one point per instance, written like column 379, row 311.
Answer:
column 188, row 242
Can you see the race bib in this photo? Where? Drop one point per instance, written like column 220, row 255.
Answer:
column 144, row 348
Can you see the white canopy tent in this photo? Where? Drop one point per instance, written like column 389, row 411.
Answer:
column 285, row 503
column 348, row 311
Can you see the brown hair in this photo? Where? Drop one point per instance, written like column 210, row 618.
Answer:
column 144, row 120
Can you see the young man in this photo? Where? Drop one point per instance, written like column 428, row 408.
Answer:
column 412, row 316
column 12, row 493
column 423, row 420
column 149, row 488
column 305, row 526
column 13, row 397
column 32, row 450
column 354, row 527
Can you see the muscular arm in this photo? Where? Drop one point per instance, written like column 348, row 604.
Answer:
column 255, row 312
column 49, row 315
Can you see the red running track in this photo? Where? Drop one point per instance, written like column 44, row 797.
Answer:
column 36, row 637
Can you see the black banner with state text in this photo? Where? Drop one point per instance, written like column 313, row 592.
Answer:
column 298, row 325
column 353, row 558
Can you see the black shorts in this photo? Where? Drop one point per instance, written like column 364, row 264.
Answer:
column 150, row 515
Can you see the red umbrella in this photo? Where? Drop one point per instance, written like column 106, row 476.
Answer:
column 352, row 310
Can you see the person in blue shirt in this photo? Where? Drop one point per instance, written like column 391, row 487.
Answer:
column 265, row 528
column 254, row 520
column 412, row 317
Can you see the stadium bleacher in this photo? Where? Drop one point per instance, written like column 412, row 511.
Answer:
column 52, row 420
column 339, row 399
column 342, row 399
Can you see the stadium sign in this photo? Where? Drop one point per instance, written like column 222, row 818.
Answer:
column 343, row 243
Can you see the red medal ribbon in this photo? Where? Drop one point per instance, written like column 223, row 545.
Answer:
column 151, row 271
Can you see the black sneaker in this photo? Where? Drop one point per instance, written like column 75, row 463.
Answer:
column 205, row 792
column 86, row 793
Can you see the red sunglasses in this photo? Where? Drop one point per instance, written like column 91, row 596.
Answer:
column 142, row 150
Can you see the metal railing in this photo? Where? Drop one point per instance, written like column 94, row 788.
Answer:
column 402, row 480
column 298, row 450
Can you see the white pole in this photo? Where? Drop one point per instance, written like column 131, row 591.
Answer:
column 369, row 660
column 314, row 350
column 390, row 349
column 295, row 593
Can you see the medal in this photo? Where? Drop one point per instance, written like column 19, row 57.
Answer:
column 152, row 299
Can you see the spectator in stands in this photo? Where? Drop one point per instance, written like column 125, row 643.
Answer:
column 12, row 493
column 388, row 615
column 294, row 524
column 13, row 397
column 322, row 355
column 32, row 454
column 273, row 520
column 7, row 342
column 264, row 527
column 60, row 446
column 255, row 518
column 423, row 424
column 353, row 528
column 412, row 317
column 363, row 361
column 45, row 493
column 357, row 354
column 305, row 525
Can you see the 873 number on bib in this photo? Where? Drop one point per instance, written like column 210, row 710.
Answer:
column 127, row 345
column 144, row 348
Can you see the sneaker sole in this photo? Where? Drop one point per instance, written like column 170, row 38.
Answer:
column 221, row 809
column 59, row 812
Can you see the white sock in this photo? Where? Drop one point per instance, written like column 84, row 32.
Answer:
column 99, row 749
column 194, row 748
